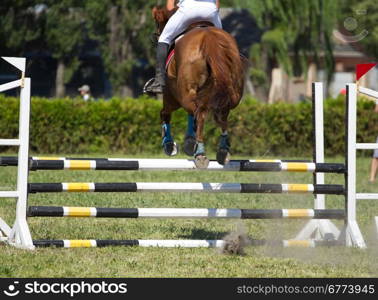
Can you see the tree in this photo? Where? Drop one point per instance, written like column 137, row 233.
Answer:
column 123, row 30
column 19, row 26
column 64, row 36
column 293, row 32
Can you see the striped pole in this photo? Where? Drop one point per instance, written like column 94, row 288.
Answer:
column 13, row 160
column 207, row 213
column 62, row 163
column 178, row 243
column 186, row 187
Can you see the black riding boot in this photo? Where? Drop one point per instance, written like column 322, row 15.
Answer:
column 158, row 85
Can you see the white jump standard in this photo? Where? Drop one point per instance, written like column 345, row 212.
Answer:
column 19, row 234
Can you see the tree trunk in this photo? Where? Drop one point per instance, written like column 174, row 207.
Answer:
column 249, row 89
column 126, row 91
column 60, row 88
column 115, row 28
column 120, row 48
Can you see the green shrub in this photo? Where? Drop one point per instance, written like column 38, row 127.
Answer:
column 132, row 126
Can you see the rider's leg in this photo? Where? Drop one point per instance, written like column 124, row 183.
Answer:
column 176, row 24
column 158, row 85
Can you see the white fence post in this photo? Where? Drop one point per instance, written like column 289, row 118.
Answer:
column 353, row 236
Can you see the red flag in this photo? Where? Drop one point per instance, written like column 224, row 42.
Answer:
column 362, row 69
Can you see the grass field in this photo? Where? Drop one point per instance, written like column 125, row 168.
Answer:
column 162, row 262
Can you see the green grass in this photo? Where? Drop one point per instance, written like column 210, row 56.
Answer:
column 162, row 262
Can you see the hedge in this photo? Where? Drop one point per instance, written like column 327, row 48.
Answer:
column 132, row 126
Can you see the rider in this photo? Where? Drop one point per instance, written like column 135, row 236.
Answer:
column 189, row 12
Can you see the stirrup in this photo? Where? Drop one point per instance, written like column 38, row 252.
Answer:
column 153, row 87
column 147, row 85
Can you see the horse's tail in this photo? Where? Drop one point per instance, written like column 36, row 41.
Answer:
column 226, row 70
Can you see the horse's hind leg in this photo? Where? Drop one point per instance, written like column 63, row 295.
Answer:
column 190, row 136
column 169, row 146
column 201, row 161
column 223, row 153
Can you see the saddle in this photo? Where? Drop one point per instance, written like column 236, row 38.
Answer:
column 200, row 24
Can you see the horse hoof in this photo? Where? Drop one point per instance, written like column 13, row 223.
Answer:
column 201, row 161
column 170, row 148
column 223, row 156
column 189, row 147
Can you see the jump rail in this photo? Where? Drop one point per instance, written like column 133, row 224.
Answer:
column 206, row 213
column 130, row 187
column 178, row 243
column 62, row 163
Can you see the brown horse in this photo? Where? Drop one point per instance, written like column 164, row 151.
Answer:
column 206, row 74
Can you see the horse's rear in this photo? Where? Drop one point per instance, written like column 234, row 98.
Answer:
column 206, row 75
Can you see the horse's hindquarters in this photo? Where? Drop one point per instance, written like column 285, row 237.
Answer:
column 206, row 75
